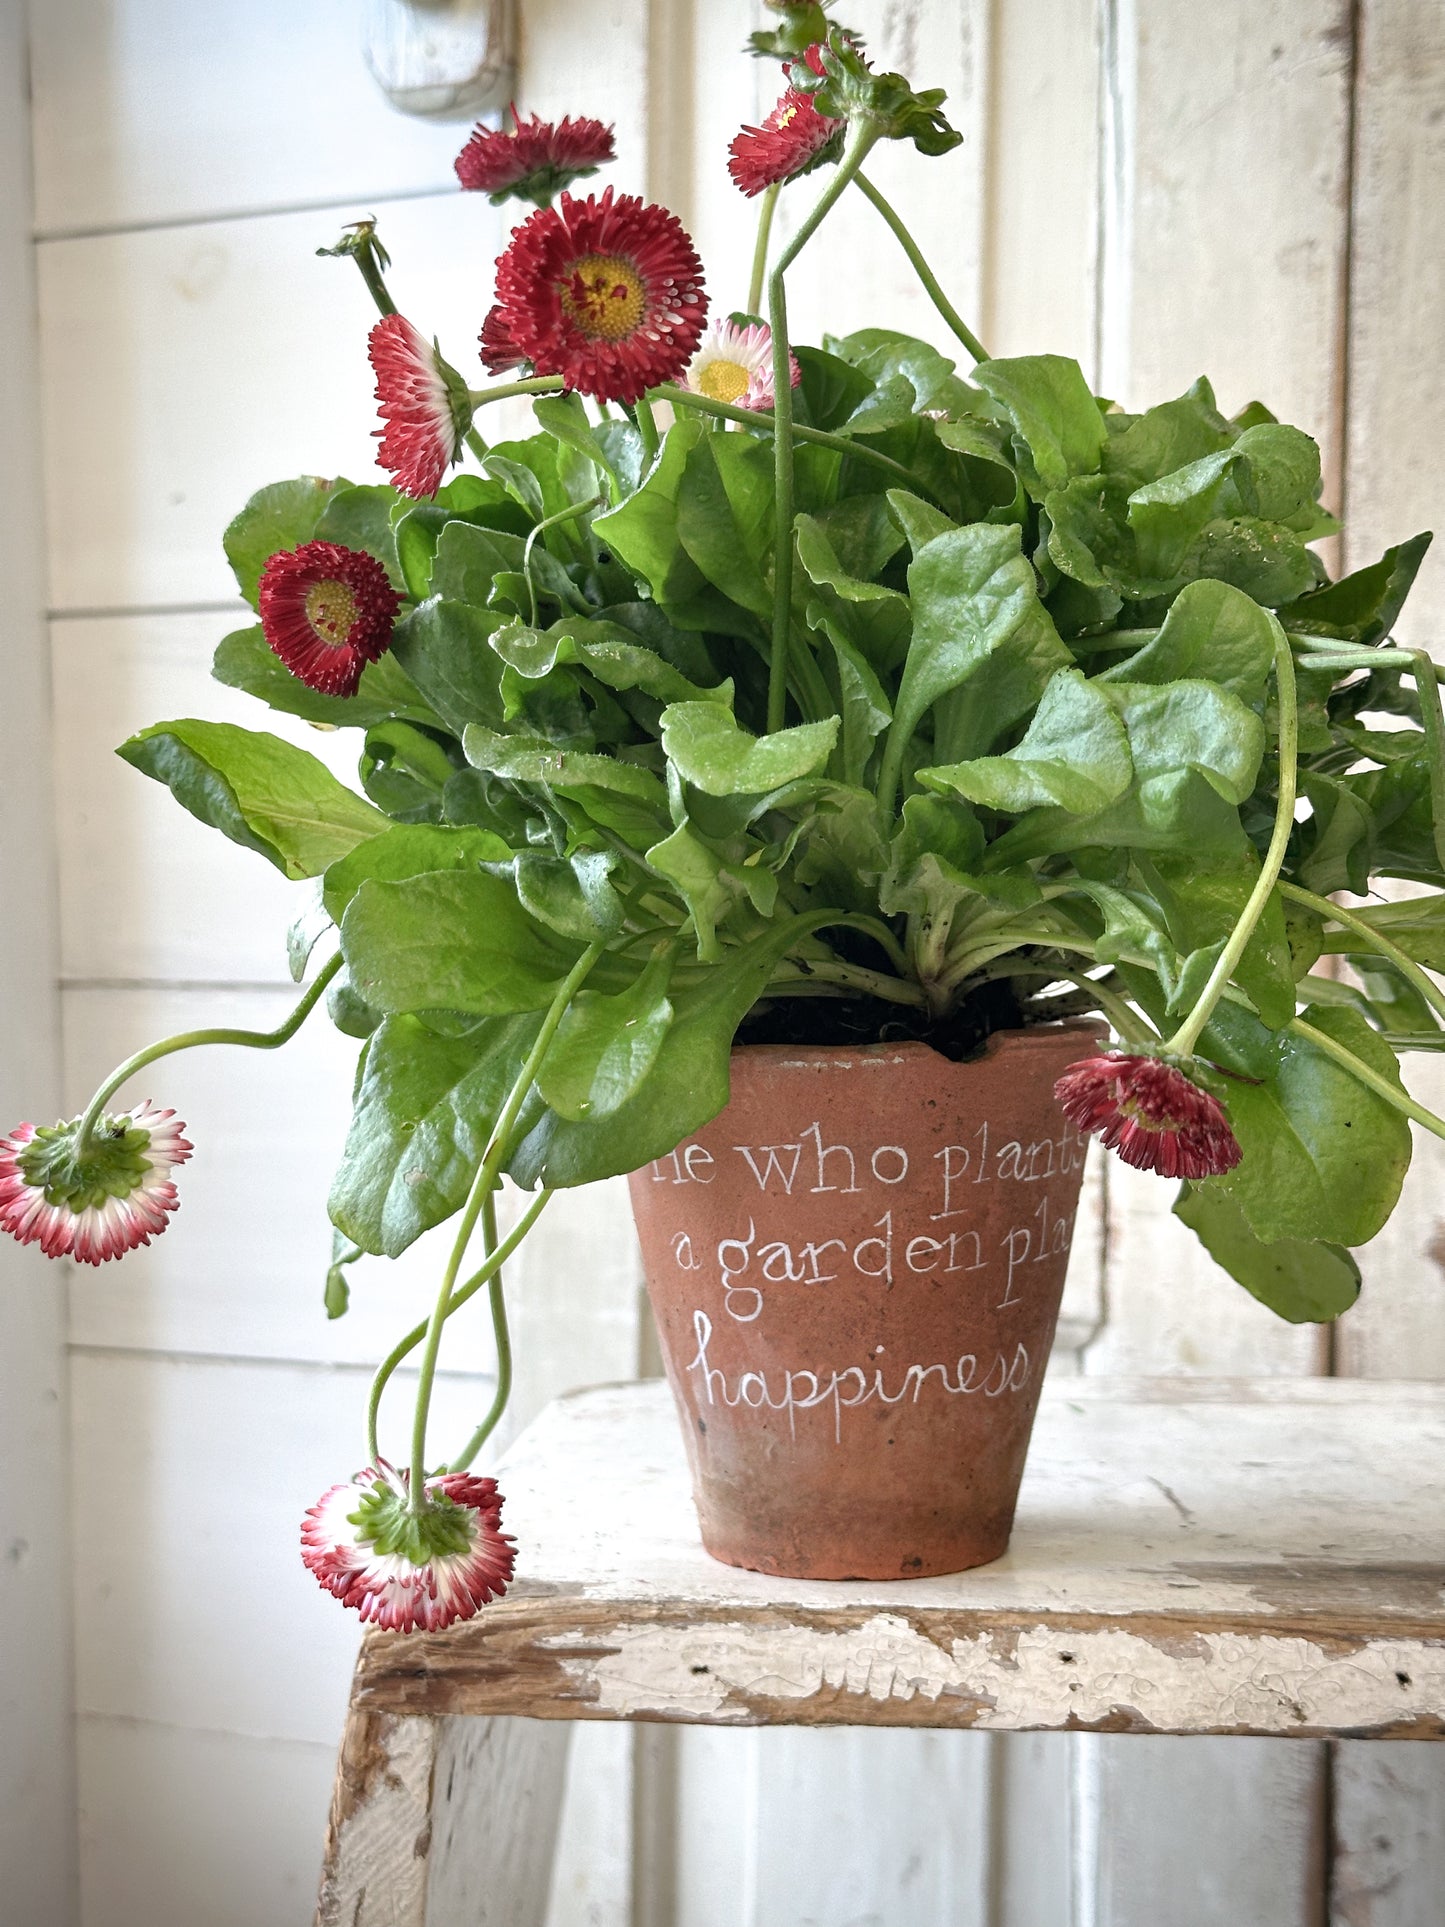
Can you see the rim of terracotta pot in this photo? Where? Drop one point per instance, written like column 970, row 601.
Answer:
column 1017, row 1038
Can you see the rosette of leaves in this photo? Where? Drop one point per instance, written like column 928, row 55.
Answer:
column 1030, row 765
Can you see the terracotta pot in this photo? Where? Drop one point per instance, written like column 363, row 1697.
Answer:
column 856, row 1272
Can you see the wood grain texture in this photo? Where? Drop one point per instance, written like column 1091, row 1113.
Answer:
column 1198, row 1596
column 37, row 1760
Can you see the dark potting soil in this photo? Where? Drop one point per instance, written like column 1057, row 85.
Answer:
column 854, row 1021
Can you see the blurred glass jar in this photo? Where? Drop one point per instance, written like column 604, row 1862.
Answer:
column 442, row 59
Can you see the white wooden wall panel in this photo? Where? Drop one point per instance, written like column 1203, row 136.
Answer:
column 180, row 1827
column 194, row 906
column 228, row 354
column 242, row 1266
column 1388, row 1840
column 1041, row 228
column 153, row 111
column 37, row 1768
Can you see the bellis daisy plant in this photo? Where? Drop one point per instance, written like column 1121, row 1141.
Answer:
column 874, row 689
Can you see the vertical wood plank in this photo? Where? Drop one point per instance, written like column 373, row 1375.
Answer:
column 1396, row 485
column 1223, row 244
column 1040, row 238
column 495, row 1802
column 1389, row 1836
column 1389, row 1815
column 1200, row 1832
column 37, row 1770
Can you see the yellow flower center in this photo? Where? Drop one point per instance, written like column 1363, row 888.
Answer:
column 604, row 296
column 786, row 115
column 331, row 610
column 723, row 380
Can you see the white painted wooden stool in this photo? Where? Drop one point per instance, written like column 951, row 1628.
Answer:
column 1191, row 1556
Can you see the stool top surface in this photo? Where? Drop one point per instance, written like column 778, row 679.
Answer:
column 1190, row 1555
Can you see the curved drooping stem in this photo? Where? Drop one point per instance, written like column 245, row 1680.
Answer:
column 1381, row 1086
column 502, row 1334
column 862, row 134
column 1188, row 1034
column 925, row 274
column 488, row 1172
column 820, row 437
column 193, row 1039
column 1371, row 939
column 760, row 246
column 404, row 1347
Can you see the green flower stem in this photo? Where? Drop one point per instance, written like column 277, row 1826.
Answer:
column 1125, row 1019
column 1381, row 1086
column 193, row 1039
column 405, row 1346
column 1406, row 965
column 1433, row 723
column 488, row 1172
column 820, row 437
column 647, row 427
column 868, row 983
column 498, row 1302
column 550, row 521
column 1327, row 653
column 861, row 136
column 532, row 385
column 1187, row 1036
column 925, row 274
column 1000, row 942
column 760, row 247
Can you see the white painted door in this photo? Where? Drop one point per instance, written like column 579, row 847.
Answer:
column 1160, row 189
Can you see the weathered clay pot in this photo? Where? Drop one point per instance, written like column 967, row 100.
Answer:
column 856, row 1272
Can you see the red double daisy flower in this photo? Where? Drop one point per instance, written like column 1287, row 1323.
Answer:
column 535, row 160
column 606, row 292
column 1148, row 1111
column 327, row 611
column 793, row 140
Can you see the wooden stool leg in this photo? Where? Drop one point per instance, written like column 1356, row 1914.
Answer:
column 443, row 1823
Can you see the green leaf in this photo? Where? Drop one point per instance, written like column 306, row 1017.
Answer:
column 1075, row 753
column 725, row 516
column 699, row 876
column 866, row 709
column 1212, row 631
column 876, row 620
column 1284, row 467
column 606, row 1046
column 1363, row 607
column 566, row 418
column 607, row 651
column 1192, row 724
column 245, row 660
column 1416, row 926
column 281, row 516
column 1168, row 437
column 1324, row 1157
column 708, row 749
column 408, row 850
column 423, row 1113
column 469, row 559
column 1168, row 515
column 643, row 533
column 573, row 897
column 1054, row 415
column 920, row 521
column 445, row 648
column 450, row 940
column 688, row 1083
column 976, row 609
column 258, row 790
column 532, row 759
column 1300, row 1279
column 337, row 1294
column 1202, row 901
column 361, row 518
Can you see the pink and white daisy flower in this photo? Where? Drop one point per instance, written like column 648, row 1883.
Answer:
column 409, row 1571
column 95, row 1203
column 735, row 365
column 425, row 407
